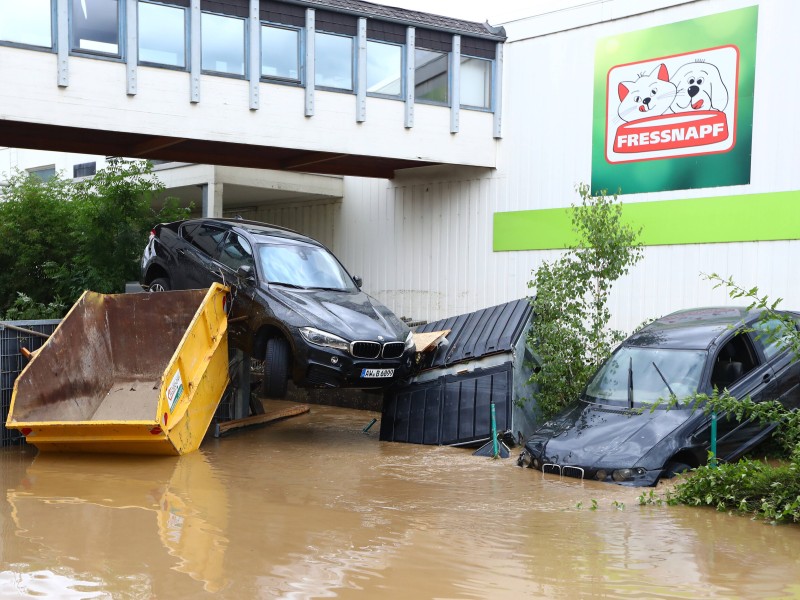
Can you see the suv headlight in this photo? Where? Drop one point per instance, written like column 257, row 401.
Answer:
column 409, row 341
column 323, row 338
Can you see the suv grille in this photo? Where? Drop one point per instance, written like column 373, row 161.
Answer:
column 393, row 349
column 365, row 349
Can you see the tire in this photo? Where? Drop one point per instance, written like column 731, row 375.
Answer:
column 276, row 369
column 160, row 284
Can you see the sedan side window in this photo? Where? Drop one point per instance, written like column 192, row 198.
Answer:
column 772, row 336
column 236, row 252
column 207, row 238
column 733, row 362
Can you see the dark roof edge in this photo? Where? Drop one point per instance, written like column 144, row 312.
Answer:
column 407, row 17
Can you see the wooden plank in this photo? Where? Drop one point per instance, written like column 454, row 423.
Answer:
column 292, row 411
column 426, row 341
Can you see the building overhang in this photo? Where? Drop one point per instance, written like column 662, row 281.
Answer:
column 40, row 136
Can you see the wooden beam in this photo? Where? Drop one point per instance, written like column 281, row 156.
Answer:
column 292, row 411
column 153, row 144
column 311, row 158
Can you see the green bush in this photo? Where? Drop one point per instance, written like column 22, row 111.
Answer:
column 61, row 237
column 747, row 486
column 570, row 336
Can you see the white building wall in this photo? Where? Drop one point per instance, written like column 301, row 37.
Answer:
column 13, row 159
column 423, row 243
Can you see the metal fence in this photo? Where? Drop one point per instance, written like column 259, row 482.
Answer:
column 12, row 362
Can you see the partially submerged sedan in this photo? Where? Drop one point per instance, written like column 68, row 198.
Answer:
column 611, row 433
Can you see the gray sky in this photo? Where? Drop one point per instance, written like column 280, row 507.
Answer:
column 495, row 11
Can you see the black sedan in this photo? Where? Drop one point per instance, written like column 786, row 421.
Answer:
column 294, row 304
column 611, row 433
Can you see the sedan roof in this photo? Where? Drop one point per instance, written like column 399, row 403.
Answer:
column 694, row 329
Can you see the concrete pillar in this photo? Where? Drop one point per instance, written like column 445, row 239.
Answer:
column 212, row 199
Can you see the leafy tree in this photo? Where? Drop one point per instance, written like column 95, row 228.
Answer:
column 62, row 237
column 34, row 229
column 570, row 336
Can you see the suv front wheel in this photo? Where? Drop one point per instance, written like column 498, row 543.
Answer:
column 276, row 368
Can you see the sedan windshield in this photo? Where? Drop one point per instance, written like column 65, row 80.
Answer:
column 655, row 374
column 302, row 265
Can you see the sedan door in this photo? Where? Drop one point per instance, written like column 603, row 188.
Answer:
column 785, row 386
column 752, row 377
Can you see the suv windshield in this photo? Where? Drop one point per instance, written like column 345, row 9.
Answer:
column 680, row 368
column 298, row 264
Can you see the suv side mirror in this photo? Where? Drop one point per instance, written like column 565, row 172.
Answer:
column 246, row 272
column 358, row 281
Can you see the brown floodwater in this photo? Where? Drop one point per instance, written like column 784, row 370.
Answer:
column 311, row 507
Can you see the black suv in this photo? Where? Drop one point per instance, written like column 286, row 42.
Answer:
column 293, row 303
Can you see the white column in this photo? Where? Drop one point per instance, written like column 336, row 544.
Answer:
column 410, row 42
column 132, row 44
column 310, row 71
column 255, row 54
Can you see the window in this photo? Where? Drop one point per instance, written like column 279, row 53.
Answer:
column 235, row 252
column 384, row 68
column 773, row 336
column 162, row 34
column 430, row 76
column 84, row 169
column 44, row 173
column 206, row 238
column 95, row 26
column 223, row 44
column 333, row 61
column 280, row 52
column 476, row 82
column 27, row 22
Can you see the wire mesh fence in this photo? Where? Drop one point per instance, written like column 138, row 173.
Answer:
column 12, row 361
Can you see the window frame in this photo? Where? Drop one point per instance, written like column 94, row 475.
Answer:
column 221, row 249
column 491, row 62
column 403, row 80
column 53, row 35
column 353, row 64
column 245, row 47
column 186, row 41
column 449, row 78
column 97, row 54
column 301, row 46
column 37, row 170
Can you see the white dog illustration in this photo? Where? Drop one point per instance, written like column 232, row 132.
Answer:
column 649, row 96
column 700, row 87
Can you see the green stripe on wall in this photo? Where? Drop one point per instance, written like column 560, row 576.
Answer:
column 749, row 218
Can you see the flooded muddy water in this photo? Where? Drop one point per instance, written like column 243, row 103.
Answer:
column 313, row 508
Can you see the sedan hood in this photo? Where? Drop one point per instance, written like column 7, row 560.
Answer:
column 350, row 315
column 593, row 436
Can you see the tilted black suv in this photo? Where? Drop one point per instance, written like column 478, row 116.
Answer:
column 294, row 304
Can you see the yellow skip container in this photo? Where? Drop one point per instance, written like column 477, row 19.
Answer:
column 127, row 373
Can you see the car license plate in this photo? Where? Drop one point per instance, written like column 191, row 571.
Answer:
column 376, row 373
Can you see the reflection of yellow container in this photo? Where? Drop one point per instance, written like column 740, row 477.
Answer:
column 130, row 373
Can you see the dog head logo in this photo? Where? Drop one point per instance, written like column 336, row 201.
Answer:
column 649, row 96
column 652, row 116
column 700, row 87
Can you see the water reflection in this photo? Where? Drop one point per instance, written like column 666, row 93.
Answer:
column 312, row 508
column 93, row 511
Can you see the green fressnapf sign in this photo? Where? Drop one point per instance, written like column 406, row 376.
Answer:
column 673, row 105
